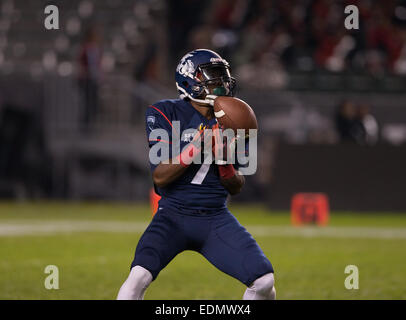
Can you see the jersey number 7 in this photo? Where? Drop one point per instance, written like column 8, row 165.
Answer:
column 201, row 173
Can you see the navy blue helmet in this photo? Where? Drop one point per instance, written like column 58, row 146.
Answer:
column 202, row 75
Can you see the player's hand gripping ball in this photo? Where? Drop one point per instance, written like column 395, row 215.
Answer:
column 235, row 114
column 220, row 146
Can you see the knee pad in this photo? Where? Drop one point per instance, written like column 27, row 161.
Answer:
column 137, row 282
column 261, row 289
column 263, row 285
column 140, row 277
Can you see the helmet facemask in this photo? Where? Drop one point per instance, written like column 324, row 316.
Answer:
column 214, row 79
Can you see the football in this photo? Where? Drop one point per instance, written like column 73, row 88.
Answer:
column 235, row 114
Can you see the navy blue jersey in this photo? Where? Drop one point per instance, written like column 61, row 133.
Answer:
column 199, row 187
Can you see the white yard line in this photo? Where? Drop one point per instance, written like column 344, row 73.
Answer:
column 329, row 232
column 23, row 228
column 68, row 226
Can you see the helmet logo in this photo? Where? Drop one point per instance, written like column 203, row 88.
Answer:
column 186, row 66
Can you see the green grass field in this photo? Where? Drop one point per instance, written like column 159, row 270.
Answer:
column 93, row 245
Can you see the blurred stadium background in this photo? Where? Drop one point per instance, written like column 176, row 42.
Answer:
column 331, row 106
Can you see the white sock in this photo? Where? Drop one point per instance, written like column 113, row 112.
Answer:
column 137, row 282
column 261, row 289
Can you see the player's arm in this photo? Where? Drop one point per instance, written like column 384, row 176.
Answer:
column 170, row 170
column 231, row 179
column 165, row 173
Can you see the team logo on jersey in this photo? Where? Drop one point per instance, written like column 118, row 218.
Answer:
column 151, row 122
column 188, row 136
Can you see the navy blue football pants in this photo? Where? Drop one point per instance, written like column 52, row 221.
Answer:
column 217, row 235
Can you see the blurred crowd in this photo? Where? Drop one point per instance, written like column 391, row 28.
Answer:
column 293, row 35
column 355, row 124
column 59, row 88
column 265, row 40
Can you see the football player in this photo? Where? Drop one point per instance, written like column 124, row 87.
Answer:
column 192, row 213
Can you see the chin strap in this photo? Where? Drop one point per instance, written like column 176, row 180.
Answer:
column 209, row 99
